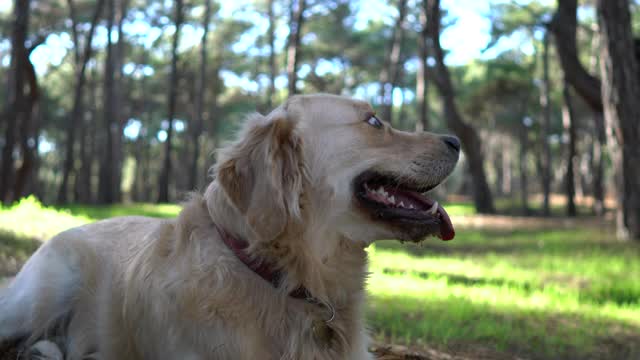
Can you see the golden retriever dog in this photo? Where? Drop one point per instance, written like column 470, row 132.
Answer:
column 268, row 263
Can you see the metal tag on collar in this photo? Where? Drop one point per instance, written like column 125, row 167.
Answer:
column 324, row 304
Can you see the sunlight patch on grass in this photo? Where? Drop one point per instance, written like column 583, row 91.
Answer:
column 459, row 209
column 139, row 209
column 29, row 218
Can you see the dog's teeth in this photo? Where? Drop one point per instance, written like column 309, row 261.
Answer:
column 401, row 204
column 392, row 199
column 433, row 209
column 381, row 191
column 411, row 206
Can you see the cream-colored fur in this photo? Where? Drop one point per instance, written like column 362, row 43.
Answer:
column 142, row 288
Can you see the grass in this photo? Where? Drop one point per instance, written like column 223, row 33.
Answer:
column 547, row 292
column 543, row 293
column 24, row 225
column 513, row 206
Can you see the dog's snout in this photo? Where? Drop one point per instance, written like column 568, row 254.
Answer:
column 452, row 142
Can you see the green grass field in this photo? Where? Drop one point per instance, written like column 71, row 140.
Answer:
column 551, row 289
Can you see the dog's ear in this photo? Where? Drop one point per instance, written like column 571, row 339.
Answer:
column 263, row 174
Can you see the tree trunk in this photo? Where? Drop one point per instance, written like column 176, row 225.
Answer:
column 569, row 125
column 196, row 131
column 16, row 96
column 271, row 33
column 620, row 93
column 76, row 113
column 80, row 190
column 120, row 116
column 422, row 79
column 468, row 135
column 599, row 142
column 401, row 122
column 33, row 183
column 524, row 183
column 293, row 47
column 137, row 188
column 563, row 25
column 163, row 184
column 599, row 137
column 106, row 193
column 390, row 71
column 88, row 143
column 492, row 143
column 147, row 188
column 545, row 129
column 141, row 146
column 79, row 194
column 73, row 16
column 94, row 144
column 28, row 130
column 506, row 166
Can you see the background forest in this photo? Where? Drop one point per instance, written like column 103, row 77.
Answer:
column 112, row 105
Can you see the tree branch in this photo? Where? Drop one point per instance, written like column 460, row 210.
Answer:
column 563, row 26
column 74, row 30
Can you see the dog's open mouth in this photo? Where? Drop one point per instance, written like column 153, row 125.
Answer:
column 393, row 201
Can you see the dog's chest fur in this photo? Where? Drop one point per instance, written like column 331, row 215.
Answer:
column 239, row 315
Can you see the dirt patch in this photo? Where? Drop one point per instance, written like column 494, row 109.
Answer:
column 617, row 346
column 462, row 352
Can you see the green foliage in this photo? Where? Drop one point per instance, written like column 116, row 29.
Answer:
column 500, row 92
column 510, row 17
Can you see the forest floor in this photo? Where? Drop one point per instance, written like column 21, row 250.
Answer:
column 506, row 288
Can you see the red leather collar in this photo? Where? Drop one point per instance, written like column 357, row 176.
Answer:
column 261, row 267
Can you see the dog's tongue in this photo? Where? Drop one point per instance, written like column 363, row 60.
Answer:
column 446, row 226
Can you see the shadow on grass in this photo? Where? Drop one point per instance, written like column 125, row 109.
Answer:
column 14, row 251
column 463, row 280
column 504, row 242
column 457, row 322
column 617, row 293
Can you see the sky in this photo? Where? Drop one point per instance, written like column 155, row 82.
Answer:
column 464, row 40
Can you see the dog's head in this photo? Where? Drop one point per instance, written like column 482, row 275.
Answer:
column 327, row 161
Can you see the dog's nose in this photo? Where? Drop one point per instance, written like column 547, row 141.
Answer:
column 452, row 141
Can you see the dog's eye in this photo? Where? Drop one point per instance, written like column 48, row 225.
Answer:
column 373, row 121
